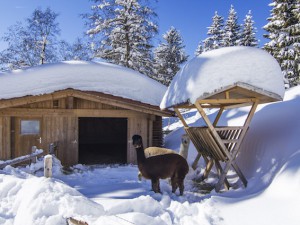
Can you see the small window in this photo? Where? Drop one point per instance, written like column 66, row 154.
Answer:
column 55, row 104
column 30, row 126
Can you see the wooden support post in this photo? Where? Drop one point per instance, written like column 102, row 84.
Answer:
column 218, row 116
column 33, row 150
column 236, row 150
column 181, row 117
column 48, row 166
column 194, row 165
column 207, row 169
column 213, row 130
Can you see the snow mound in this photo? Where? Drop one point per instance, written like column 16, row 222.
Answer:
column 217, row 69
column 26, row 199
column 85, row 76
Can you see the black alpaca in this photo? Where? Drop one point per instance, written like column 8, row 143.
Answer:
column 161, row 167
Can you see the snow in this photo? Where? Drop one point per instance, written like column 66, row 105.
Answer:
column 217, row 69
column 100, row 194
column 80, row 75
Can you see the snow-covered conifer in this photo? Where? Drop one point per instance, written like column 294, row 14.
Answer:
column 215, row 33
column 168, row 56
column 199, row 49
column 122, row 31
column 231, row 29
column 284, row 34
column 248, row 32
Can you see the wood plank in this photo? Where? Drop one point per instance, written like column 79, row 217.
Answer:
column 213, row 130
column 218, row 116
column 20, row 159
column 71, row 112
column 5, row 148
column 121, row 102
column 92, row 96
column 8, row 103
column 180, row 117
column 237, row 146
column 225, row 101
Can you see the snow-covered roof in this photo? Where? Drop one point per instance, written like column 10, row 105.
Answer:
column 216, row 70
column 85, row 76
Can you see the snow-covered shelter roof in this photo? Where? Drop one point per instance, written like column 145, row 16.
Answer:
column 84, row 76
column 252, row 71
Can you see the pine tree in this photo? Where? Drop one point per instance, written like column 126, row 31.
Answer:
column 199, row 49
column 215, row 33
column 231, row 29
column 122, row 31
column 284, row 35
column 248, row 33
column 169, row 56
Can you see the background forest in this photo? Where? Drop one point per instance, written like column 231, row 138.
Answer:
column 123, row 32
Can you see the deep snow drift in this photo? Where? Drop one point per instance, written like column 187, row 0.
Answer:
column 270, row 159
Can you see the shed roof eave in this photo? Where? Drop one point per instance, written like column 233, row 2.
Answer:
column 251, row 89
column 93, row 96
column 251, row 92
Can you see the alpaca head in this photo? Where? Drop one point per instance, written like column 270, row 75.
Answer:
column 185, row 140
column 137, row 141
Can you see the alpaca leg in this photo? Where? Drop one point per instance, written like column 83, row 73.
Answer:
column 140, row 176
column 155, row 185
column 174, row 184
column 158, row 186
column 181, row 186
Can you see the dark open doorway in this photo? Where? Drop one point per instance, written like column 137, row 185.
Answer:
column 102, row 140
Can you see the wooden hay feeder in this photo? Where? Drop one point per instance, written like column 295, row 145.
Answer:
column 220, row 145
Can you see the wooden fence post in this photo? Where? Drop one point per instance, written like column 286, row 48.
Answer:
column 48, row 166
column 33, row 150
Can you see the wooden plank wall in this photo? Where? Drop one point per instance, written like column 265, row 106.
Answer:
column 65, row 131
column 138, row 126
column 5, row 152
column 62, row 126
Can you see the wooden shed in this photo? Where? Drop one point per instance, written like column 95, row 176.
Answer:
column 224, row 79
column 91, row 110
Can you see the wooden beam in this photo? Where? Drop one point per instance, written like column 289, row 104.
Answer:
column 181, row 117
column 115, row 101
column 237, row 148
column 212, row 129
column 72, row 112
column 226, row 101
column 94, row 96
column 8, row 103
column 218, row 116
column 20, row 159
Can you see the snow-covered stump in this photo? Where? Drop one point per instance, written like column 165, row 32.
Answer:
column 48, row 166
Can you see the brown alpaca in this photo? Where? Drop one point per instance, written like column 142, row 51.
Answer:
column 152, row 151
column 161, row 167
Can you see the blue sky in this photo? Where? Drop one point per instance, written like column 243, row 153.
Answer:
column 190, row 17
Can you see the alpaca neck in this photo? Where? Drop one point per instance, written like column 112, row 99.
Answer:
column 140, row 154
column 184, row 150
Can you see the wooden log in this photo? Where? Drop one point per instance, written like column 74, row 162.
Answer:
column 73, row 221
column 48, row 166
column 20, row 159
